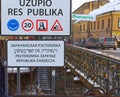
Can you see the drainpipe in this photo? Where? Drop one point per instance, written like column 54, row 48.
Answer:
column 91, row 6
column 90, row 9
column 98, row 3
column 111, row 24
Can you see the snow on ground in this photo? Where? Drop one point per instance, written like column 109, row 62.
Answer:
column 22, row 70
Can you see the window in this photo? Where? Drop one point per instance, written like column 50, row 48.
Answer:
column 102, row 24
column 94, row 25
column 108, row 23
column 98, row 24
column 118, row 22
column 80, row 27
column 83, row 27
column 88, row 25
column 91, row 26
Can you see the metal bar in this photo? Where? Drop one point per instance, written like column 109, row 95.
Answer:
column 18, row 81
column 31, row 79
column 6, row 80
column 53, row 81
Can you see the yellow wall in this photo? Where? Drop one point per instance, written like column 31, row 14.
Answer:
column 101, row 32
column 115, row 29
column 77, row 33
column 116, row 15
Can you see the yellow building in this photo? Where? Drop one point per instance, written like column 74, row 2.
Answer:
column 107, row 24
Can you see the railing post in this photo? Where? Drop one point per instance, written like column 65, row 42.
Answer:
column 53, row 81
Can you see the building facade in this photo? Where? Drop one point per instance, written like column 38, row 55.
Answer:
column 106, row 25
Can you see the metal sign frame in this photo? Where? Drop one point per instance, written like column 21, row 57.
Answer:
column 35, row 53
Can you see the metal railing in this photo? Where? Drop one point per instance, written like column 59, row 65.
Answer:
column 99, row 70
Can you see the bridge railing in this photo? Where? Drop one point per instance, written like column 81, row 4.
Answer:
column 99, row 69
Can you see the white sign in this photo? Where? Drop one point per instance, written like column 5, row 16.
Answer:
column 83, row 17
column 35, row 17
column 35, row 53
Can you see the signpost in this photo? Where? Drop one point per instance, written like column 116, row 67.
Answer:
column 34, row 54
column 35, row 17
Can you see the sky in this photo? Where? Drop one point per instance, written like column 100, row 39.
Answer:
column 78, row 3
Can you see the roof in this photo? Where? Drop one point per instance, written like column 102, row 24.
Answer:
column 80, row 9
column 109, row 7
